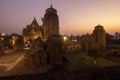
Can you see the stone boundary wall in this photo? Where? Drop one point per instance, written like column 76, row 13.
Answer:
column 110, row 73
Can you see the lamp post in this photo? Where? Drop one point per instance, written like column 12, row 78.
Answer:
column 13, row 41
column 2, row 35
column 2, row 45
column 65, row 39
column 2, row 38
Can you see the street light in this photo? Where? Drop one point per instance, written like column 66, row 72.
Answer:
column 13, row 40
column 13, row 37
column 65, row 47
column 2, row 38
column 64, row 38
column 2, row 45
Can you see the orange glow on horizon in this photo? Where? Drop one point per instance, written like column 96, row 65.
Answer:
column 88, row 29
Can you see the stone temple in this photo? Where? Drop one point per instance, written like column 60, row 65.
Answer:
column 50, row 26
column 50, row 23
column 99, row 35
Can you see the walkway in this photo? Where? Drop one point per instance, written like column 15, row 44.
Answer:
column 10, row 66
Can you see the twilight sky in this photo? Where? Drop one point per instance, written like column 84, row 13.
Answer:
column 75, row 16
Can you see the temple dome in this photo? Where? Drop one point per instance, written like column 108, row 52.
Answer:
column 51, row 10
column 98, row 27
column 50, row 23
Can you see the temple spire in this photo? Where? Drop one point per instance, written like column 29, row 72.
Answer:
column 51, row 4
column 34, row 22
column 34, row 18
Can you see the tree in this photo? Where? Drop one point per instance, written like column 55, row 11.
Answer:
column 55, row 47
column 94, row 53
column 19, row 43
column 109, row 38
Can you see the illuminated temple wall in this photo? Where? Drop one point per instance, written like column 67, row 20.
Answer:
column 32, row 31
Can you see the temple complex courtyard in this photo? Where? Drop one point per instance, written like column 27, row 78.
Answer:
column 12, row 63
column 82, row 61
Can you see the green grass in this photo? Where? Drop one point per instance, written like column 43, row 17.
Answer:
column 101, row 62
column 81, row 61
column 47, row 67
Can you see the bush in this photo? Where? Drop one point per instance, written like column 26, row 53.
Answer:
column 94, row 53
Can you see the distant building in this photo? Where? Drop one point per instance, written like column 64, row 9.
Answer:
column 88, row 42
column 97, row 40
column 116, row 36
column 49, row 27
column 71, row 44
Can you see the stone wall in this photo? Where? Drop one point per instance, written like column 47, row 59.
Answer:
column 110, row 73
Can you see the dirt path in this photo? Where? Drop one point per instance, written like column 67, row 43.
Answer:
column 12, row 65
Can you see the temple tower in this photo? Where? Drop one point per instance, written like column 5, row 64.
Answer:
column 50, row 23
column 99, row 35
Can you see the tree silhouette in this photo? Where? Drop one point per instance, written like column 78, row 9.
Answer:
column 55, row 48
column 19, row 43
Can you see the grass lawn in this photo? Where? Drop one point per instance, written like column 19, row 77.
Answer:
column 81, row 61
